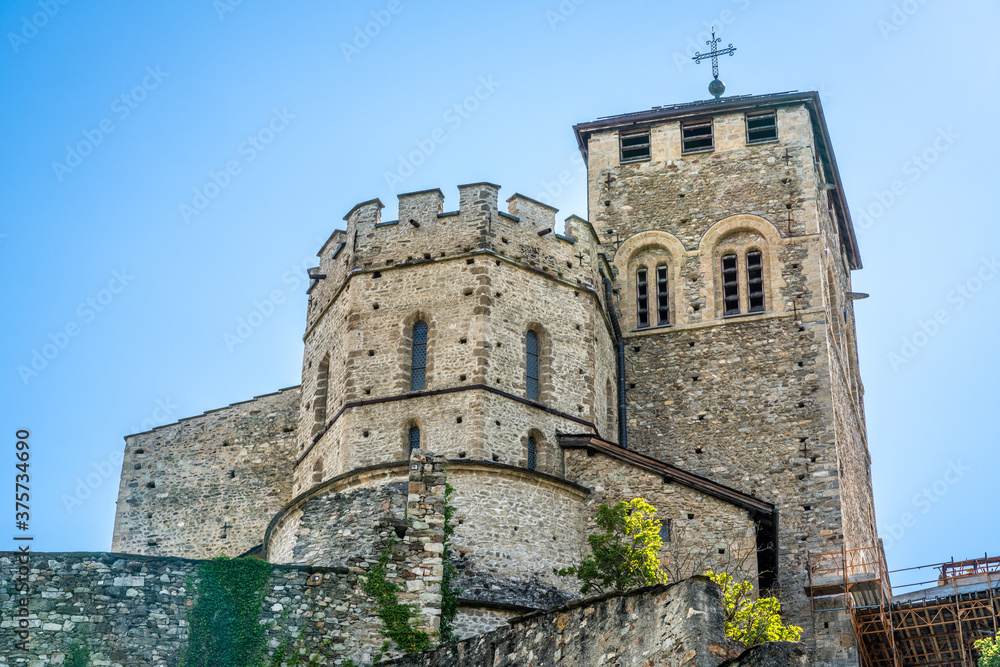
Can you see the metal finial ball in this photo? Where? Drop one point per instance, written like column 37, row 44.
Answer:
column 716, row 88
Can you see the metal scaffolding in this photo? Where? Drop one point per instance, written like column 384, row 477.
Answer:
column 935, row 625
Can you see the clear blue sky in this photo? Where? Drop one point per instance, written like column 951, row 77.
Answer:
column 198, row 78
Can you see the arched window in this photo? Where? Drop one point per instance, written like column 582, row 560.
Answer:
column 531, row 347
column 319, row 397
column 418, row 364
column 755, row 281
column 662, row 297
column 318, row 471
column 532, row 452
column 730, row 285
column 642, row 297
column 414, row 438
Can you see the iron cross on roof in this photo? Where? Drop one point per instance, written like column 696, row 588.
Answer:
column 716, row 88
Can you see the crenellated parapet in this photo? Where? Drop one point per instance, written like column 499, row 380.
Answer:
column 424, row 231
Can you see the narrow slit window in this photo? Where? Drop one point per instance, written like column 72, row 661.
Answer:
column 635, row 146
column 730, row 285
column 662, row 300
column 414, row 438
column 755, row 282
column 532, row 452
column 418, row 368
column 642, row 297
column 762, row 127
column 319, row 400
column 697, row 137
column 531, row 347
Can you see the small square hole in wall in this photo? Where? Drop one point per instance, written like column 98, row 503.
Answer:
column 374, row 306
column 569, row 265
column 498, row 295
column 463, row 341
column 698, row 450
column 694, row 378
column 470, row 261
column 802, row 405
column 458, row 420
column 467, row 291
column 390, row 262
column 371, row 353
column 691, row 343
column 504, row 239
column 577, row 327
column 631, row 385
column 813, row 459
column 496, row 457
column 636, row 348
column 232, row 474
column 498, row 262
column 140, row 451
column 377, row 274
column 498, row 422
column 800, row 477
column 461, row 378
column 151, row 485
column 801, row 364
column 461, row 455
column 368, row 391
column 364, row 433
column 690, row 517
column 722, row 552
column 807, row 507
column 795, row 266
column 499, row 345
column 427, row 255
column 696, row 308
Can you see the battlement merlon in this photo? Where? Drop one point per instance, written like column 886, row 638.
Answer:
column 425, row 231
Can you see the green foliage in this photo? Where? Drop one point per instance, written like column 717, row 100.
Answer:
column 396, row 618
column 449, row 592
column 625, row 555
column 989, row 652
column 287, row 656
column 78, row 654
column 224, row 628
column 752, row 621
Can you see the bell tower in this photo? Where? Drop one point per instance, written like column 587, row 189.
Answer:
column 733, row 249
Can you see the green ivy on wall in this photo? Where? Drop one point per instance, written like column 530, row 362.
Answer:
column 396, row 617
column 449, row 592
column 224, row 628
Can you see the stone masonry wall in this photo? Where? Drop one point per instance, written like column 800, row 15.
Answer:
column 704, row 533
column 513, row 526
column 681, row 625
column 132, row 609
column 207, row 485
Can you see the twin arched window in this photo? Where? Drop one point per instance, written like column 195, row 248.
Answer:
column 753, row 286
column 642, row 294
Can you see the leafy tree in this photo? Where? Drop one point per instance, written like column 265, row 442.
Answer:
column 989, row 652
column 624, row 555
column 749, row 620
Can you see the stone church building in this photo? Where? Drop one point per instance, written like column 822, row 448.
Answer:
column 691, row 342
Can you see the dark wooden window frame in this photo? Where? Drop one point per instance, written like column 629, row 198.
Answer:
column 662, row 295
column 693, row 137
column 642, row 297
column 758, row 133
column 730, row 284
column 638, row 150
